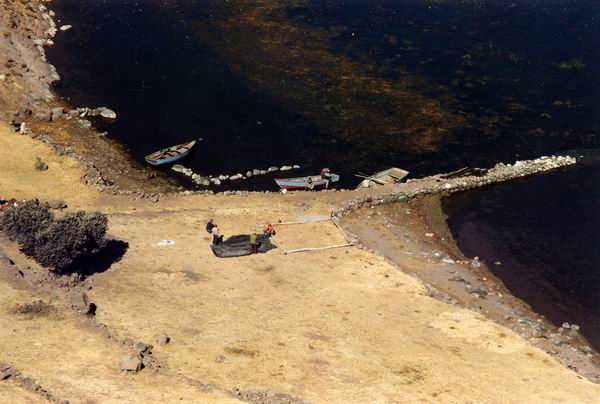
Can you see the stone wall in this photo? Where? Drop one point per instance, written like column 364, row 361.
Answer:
column 439, row 184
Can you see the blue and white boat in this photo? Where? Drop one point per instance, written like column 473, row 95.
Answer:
column 170, row 154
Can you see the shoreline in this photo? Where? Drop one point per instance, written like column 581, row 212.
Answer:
column 122, row 181
column 414, row 237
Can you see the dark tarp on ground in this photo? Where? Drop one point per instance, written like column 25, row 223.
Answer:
column 237, row 246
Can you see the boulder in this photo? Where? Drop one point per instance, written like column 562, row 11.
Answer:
column 79, row 301
column 285, row 168
column 148, row 362
column 163, row 339
column 249, row 173
column 65, row 28
column 131, row 363
column 178, row 168
column 295, row 166
column 255, row 172
column 57, row 113
column 2, row 77
column 40, row 165
column 273, row 169
column 43, row 115
column 107, row 113
column 140, row 347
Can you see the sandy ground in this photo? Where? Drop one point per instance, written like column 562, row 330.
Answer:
column 340, row 325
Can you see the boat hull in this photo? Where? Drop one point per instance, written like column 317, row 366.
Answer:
column 168, row 160
column 303, row 183
column 170, row 154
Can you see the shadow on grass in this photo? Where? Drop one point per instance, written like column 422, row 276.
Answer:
column 100, row 261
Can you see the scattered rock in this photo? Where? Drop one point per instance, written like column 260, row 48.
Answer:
column 43, row 115
column 163, row 339
column 40, row 165
column 476, row 264
column 57, row 113
column 7, row 371
column 80, row 302
column 140, row 347
column 107, row 113
column 65, row 28
column 148, row 362
column 131, row 363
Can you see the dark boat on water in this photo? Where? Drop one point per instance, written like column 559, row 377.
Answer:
column 170, row 154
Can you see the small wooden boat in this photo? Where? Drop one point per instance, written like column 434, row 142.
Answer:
column 170, row 154
column 307, row 183
column 389, row 176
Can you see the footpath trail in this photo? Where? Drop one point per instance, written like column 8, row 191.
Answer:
column 334, row 326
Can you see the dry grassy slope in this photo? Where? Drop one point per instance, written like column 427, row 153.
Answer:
column 334, row 326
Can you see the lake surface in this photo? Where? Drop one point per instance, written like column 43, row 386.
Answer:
column 354, row 85
column 545, row 233
column 429, row 86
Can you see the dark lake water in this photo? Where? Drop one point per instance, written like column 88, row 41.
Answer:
column 429, row 86
column 545, row 232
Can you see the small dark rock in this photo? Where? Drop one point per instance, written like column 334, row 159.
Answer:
column 40, row 165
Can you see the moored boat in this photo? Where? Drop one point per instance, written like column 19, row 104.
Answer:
column 389, row 176
column 307, row 183
column 170, row 154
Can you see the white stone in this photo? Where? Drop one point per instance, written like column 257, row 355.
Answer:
column 107, row 113
column 65, row 27
column 2, row 77
column 285, row 168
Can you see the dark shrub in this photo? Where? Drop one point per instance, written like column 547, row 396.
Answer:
column 69, row 238
column 23, row 223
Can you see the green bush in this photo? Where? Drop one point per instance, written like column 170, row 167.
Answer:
column 56, row 244
column 23, row 223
